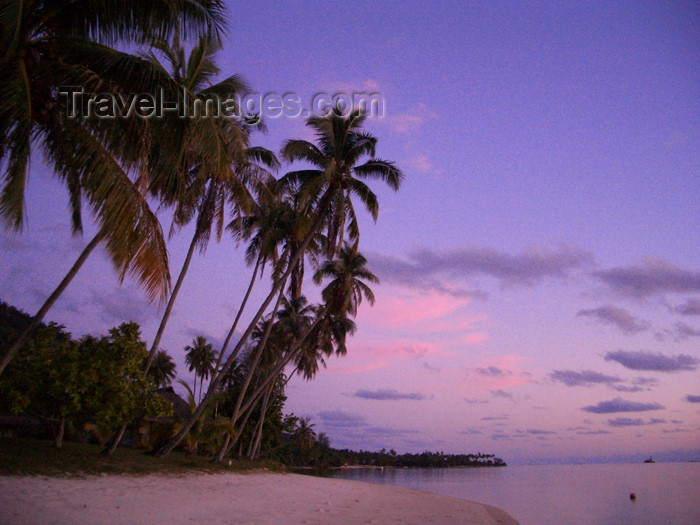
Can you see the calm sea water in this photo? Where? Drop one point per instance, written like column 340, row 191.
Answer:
column 667, row 493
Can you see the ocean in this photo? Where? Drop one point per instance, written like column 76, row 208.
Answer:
column 599, row 494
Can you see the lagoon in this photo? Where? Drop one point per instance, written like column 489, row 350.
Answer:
column 597, row 494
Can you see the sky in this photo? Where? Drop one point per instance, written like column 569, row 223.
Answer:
column 540, row 265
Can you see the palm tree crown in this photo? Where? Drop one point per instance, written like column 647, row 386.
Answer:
column 200, row 357
column 342, row 144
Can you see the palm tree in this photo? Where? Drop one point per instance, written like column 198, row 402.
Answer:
column 214, row 157
column 304, row 434
column 206, row 429
column 49, row 44
column 269, row 221
column 163, row 369
column 326, row 198
column 345, row 291
column 200, row 358
column 338, row 177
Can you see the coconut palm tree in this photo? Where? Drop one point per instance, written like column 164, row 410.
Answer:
column 304, row 434
column 347, row 287
column 341, row 145
column 200, row 358
column 46, row 45
column 269, row 221
column 326, row 198
column 215, row 159
column 162, row 369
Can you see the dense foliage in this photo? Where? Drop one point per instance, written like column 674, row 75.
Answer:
column 94, row 381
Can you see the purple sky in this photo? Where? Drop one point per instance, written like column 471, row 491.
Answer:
column 540, row 292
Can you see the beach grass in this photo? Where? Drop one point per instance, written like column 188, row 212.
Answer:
column 23, row 457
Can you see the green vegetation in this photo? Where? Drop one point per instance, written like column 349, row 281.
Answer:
column 38, row 457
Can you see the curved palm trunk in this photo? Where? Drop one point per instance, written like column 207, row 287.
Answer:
column 156, row 341
column 115, row 442
column 39, row 316
column 214, row 385
column 256, row 359
column 263, row 413
column 294, row 351
column 232, row 443
column 238, row 315
column 58, row 442
column 251, row 372
column 171, row 302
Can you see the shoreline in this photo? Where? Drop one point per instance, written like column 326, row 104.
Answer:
column 259, row 498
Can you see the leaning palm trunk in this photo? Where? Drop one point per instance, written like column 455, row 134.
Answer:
column 58, row 442
column 238, row 316
column 276, row 371
column 36, row 320
column 256, row 359
column 263, row 413
column 156, row 341
column 226, row 448
column 251, row 372
column 171, row 302
column 216, row 381
column 115, row 441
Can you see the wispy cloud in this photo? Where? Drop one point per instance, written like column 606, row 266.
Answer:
column 592, row 432
column 633, row 422
column 639, row 360
column 493, row 371
column 639, row 384
column 420, row 164
column 539, row 432
column 502, row 394
column 692, row 399
column 621, row 405
column 338, row 418
column 689, row 307
column 582, row 378
column 499, row 374
column 476, row 401
column 618, row 317
column 684, row 331
column 432, row 369
column 120, row 304
column 590, row 378
column 353, row 430
column 411, row 120
column 388, row 394
column 649, row 277
column 503, row 417
column 429, row 269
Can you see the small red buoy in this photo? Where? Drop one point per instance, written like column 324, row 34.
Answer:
column 633, row 496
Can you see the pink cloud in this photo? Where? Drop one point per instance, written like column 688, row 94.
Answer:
column 409, row 308
column 499, row 373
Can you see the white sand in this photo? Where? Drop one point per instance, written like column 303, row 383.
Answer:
column 259, row 498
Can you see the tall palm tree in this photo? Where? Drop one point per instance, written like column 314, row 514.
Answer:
column 265, row 226
column 200, row 357
column 347, row 287
column 305, row 335
column 48, row 44
column 326, row 198
column 341, row 145
column 163, row 369
column 215, row 159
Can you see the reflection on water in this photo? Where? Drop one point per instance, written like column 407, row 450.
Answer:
column 667, row 493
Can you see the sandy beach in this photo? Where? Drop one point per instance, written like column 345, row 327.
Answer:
column 257, row 498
